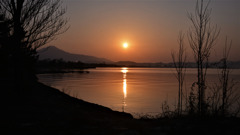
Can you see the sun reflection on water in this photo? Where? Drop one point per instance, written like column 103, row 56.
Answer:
column 125, row 88
column 124, row 71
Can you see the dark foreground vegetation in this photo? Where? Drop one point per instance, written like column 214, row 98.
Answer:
column 39, row 109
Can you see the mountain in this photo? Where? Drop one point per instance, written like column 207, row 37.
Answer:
column 53, row 52
column 135, row 64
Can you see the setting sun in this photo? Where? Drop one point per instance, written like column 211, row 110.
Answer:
column 125, row 45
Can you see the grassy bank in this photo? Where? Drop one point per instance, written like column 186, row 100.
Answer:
column 40, row 109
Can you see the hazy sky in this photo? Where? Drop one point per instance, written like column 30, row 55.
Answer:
column 151, row 27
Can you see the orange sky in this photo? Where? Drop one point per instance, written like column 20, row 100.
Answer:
column 151, row 27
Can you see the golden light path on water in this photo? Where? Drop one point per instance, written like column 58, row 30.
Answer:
column 124, row 71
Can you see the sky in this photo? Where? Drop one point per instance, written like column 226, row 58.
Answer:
column 150, row 27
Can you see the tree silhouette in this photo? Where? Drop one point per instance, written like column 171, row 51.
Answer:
column 31, row 24
column 4, row 49
column 179, row 61
column 202, row 37
column 230, row 95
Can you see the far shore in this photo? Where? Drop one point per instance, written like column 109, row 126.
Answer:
column 63, row 71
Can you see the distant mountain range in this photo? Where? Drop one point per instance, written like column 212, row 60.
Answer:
column 53, row 52
column 231, row 64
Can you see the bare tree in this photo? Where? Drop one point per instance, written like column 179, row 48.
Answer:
column 32, row 24
column 202, row 37
column 224, row 79
column 4, row 33
column 39, row 20
column 224, row 97
column 179, row 61
column 230, row 95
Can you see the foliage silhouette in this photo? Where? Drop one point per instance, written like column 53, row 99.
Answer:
column 28, row 26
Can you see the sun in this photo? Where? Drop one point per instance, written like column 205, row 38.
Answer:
column 125, row 45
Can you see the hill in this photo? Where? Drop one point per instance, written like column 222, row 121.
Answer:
column 53, row 52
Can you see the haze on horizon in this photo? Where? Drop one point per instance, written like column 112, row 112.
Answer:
column 150, row 27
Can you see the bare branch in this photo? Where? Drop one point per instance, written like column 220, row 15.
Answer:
column 42, row 20
column 202, row 36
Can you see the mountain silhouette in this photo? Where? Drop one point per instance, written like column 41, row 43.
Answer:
column 53, row 52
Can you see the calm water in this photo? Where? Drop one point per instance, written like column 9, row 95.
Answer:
column 133, row 90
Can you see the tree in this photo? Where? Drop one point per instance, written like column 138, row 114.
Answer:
column 230, row 95
column 202, row 37
column 32, row 24
column 224, row 98
column 179, row 61
column 224, row 79
column 4, row 34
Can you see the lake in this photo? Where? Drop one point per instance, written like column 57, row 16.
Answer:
column 133, row 90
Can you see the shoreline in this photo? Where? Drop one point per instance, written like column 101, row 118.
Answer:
column 41, row 109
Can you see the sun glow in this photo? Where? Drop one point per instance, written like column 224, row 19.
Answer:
column 125, row 45
column 124, row 71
